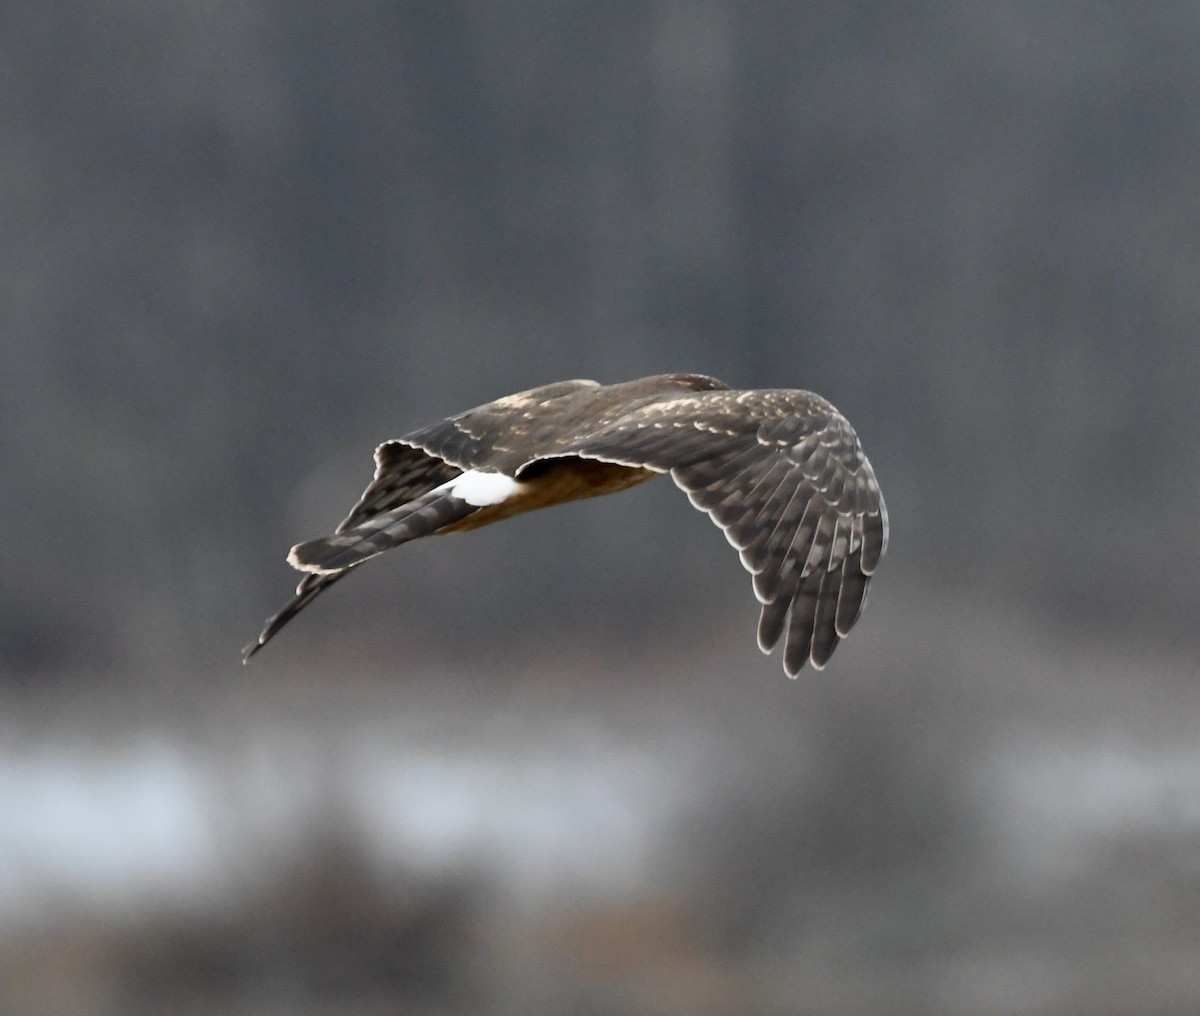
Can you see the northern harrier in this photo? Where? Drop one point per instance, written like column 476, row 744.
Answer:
column 781, row 472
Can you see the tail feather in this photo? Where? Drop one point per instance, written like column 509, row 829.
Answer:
column 331, row 557
column 422, row 517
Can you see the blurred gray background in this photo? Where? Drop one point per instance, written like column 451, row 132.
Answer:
column 542, row 768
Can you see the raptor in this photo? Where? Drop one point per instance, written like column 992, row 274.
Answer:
column 780, row 471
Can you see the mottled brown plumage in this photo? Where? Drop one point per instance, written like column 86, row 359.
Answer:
column 781, row 472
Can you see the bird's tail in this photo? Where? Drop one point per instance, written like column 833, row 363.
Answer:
column 421, row 517
column 331, row 557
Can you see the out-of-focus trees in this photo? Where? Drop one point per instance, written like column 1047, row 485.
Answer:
column 243, row 248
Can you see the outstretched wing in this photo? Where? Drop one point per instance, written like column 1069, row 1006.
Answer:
column 499, row 435
column 410, row 467
column 782, row 473
column 402, row 474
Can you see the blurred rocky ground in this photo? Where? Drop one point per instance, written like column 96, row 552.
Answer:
column 597, row 834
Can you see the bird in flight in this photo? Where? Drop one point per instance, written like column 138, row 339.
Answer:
column 781, row 472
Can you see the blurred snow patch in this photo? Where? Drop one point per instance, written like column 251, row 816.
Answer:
column 540, row 809
column 101, row 826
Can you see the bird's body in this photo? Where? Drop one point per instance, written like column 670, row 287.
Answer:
column 566, row 479
column 781, row 472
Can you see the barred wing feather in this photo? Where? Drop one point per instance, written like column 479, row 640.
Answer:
column 782, row 473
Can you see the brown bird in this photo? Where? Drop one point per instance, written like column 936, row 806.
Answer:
column 781, row 472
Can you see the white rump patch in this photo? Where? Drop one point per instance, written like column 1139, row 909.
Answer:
column 480, row 489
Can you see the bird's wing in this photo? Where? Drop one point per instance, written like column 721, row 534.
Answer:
column 402, row 474
column 500, row 434
column 408, row 468
column 782, row 473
